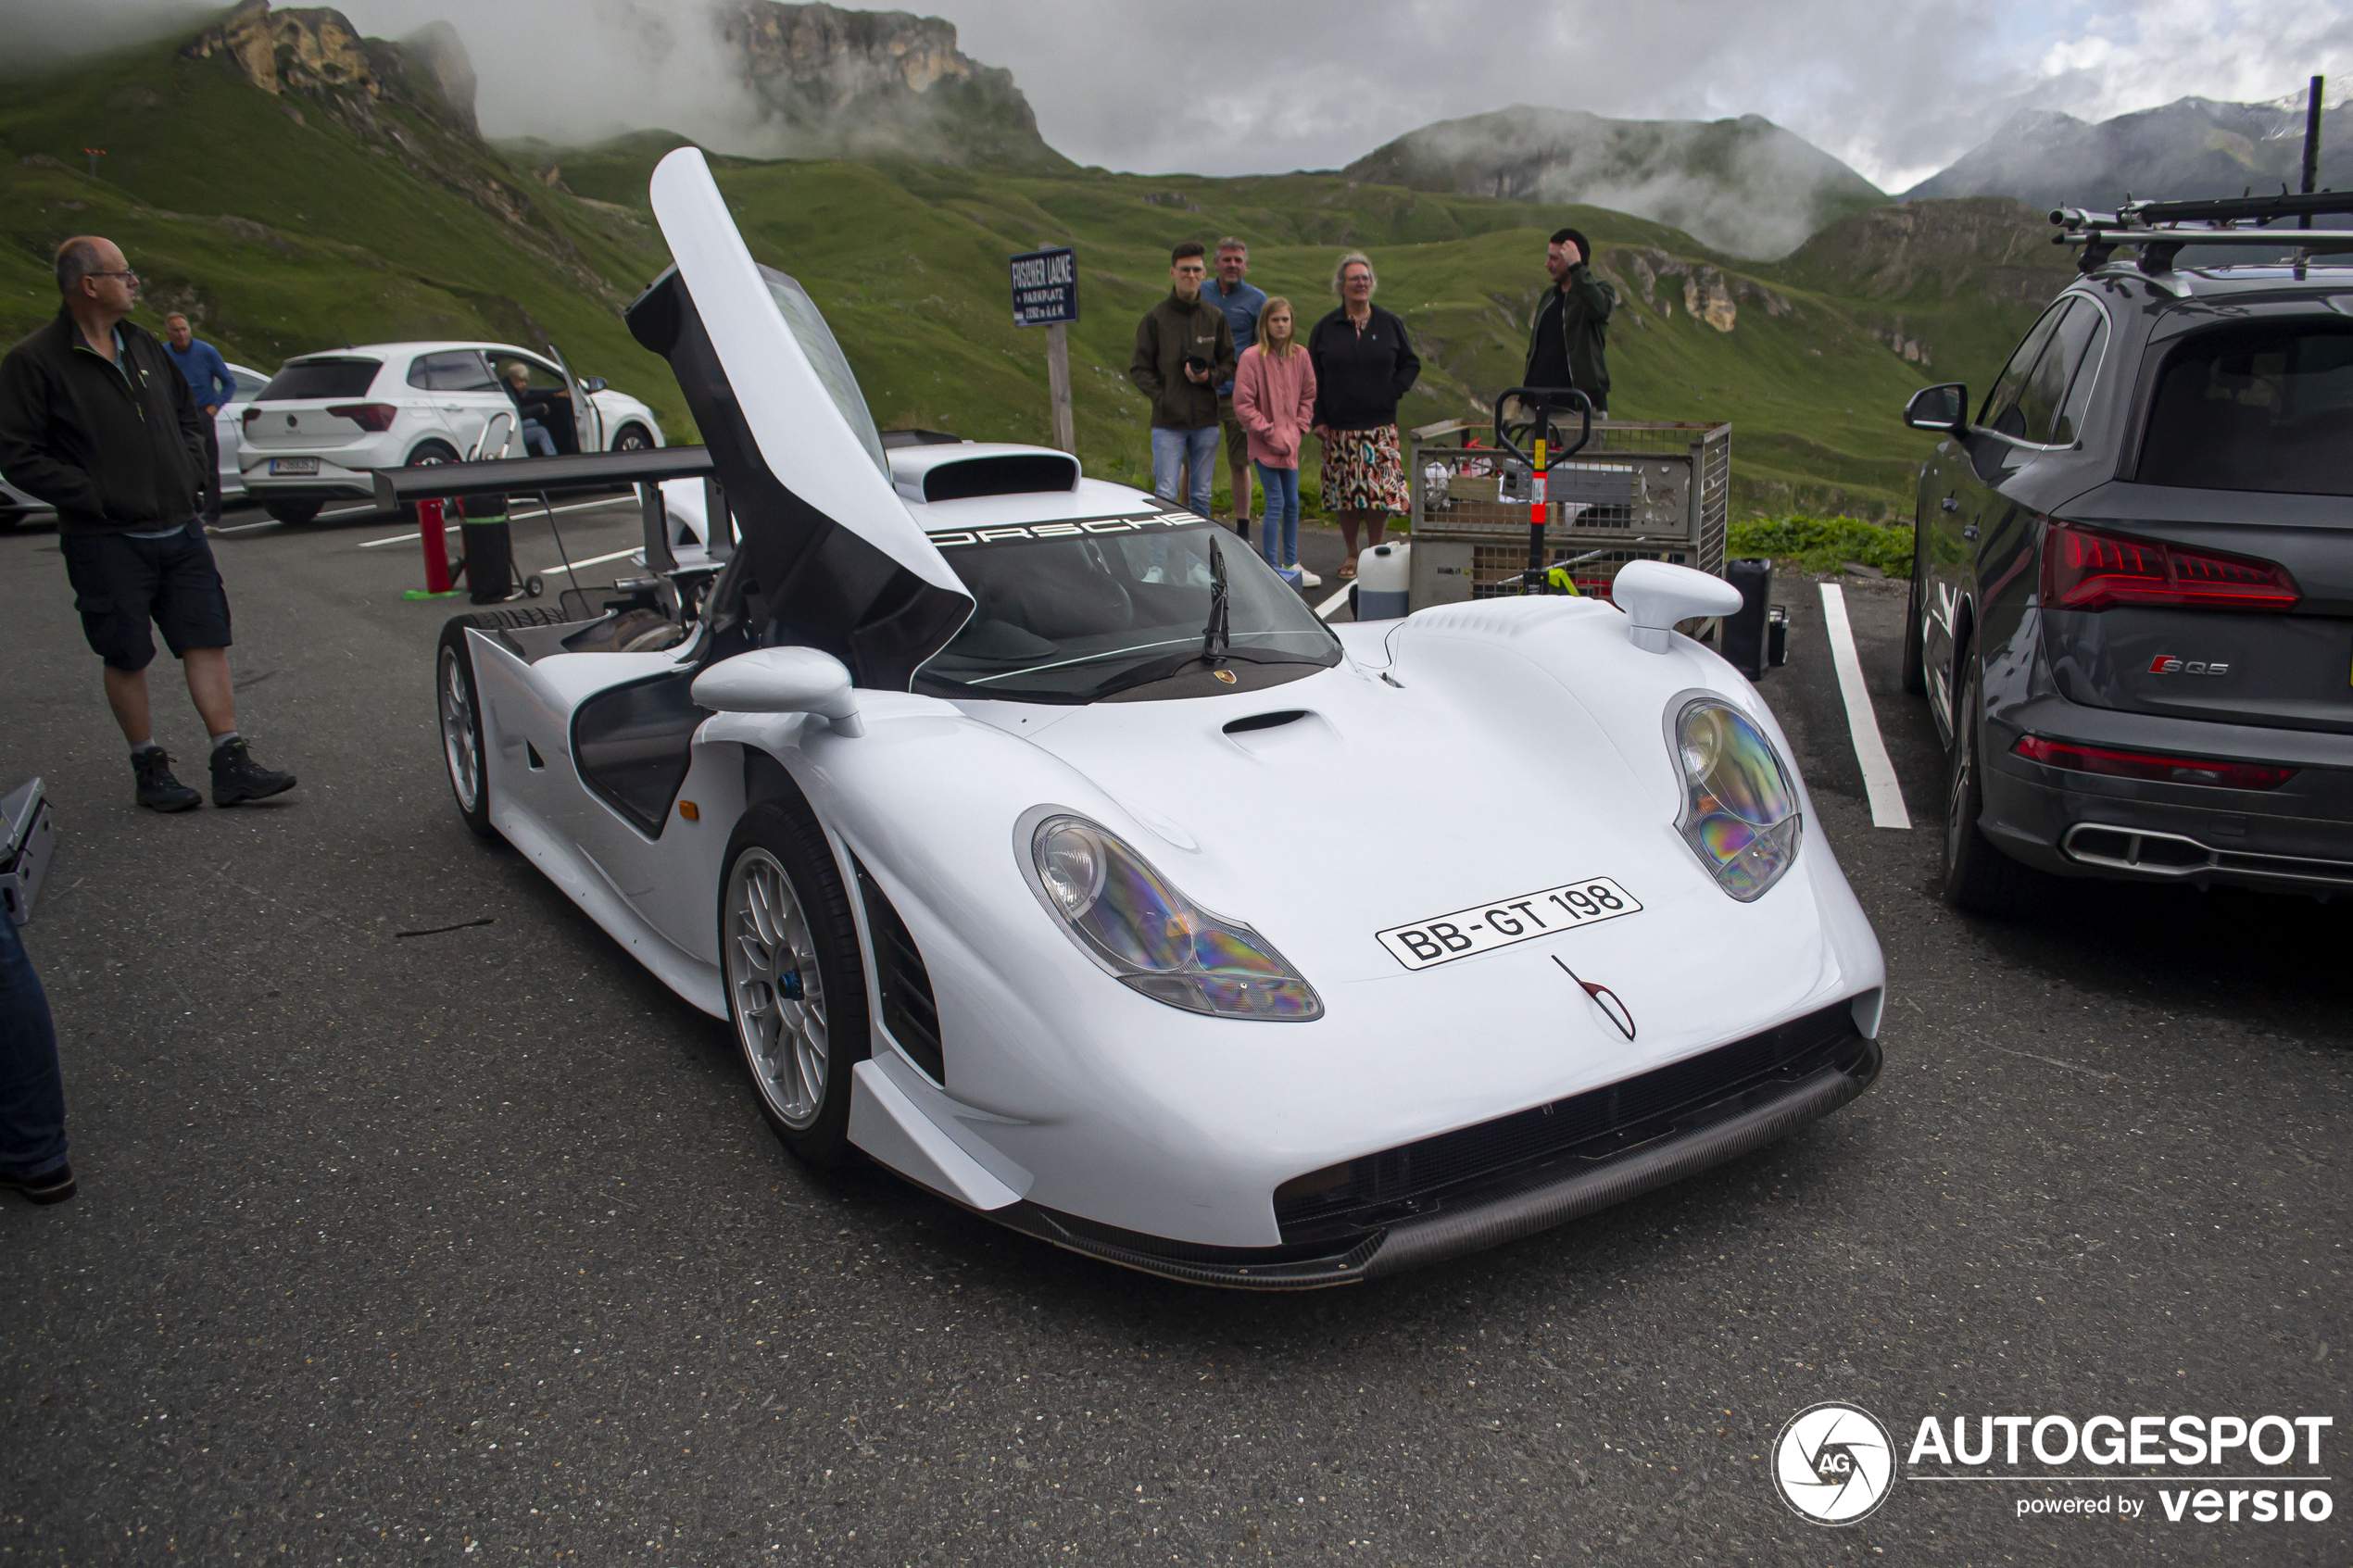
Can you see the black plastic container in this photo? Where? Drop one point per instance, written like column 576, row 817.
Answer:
column 1746, row 640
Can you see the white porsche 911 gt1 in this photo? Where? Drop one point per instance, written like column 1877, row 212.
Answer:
column 978, row 796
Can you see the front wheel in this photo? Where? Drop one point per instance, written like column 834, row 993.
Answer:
column 796, row 988
column 1979, row 879
column 633, row 438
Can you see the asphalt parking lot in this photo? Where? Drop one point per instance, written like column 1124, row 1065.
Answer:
column 471, row 1246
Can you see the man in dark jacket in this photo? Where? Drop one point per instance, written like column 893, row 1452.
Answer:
column 97, row 420
column 1184, row 349
column 1568, row 347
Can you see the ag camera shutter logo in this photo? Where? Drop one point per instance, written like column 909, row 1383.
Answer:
column 1834, row 1463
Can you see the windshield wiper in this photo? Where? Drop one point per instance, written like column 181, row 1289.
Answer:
column 1214, row 638
column 1163, row 669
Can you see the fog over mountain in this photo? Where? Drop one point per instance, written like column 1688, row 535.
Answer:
column 1744, row 186
column 2195, row 147
column 1237, row 86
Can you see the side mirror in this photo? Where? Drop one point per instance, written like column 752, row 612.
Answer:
column 1655, row 596
column 782, row 681
column 594, row 383
column 1943, row 410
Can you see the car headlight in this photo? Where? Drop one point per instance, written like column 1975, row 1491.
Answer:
column 1130, row 919
column 1740, row 811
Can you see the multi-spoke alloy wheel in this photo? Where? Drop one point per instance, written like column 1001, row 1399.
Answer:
column 796, row 986
column 779, row 995
column 459, row 735
column 459, row 701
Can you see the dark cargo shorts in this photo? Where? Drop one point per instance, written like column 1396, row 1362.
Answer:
column 120, row 585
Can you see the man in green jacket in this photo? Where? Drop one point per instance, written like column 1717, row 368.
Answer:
column 1568, row 347
column 97, row 420
column 1184, row 349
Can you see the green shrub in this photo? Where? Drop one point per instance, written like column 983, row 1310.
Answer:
column 1824, row 544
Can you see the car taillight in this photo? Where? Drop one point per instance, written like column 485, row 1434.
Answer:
column 367, row 416
column 2084, row 569
column 2152, row 765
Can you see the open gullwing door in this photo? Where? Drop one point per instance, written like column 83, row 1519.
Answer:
column 828, row 556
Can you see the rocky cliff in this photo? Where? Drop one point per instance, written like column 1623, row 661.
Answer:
column 838, row 83
column 1745, row 185
column 412, row 101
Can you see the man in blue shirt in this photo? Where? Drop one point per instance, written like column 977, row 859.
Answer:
column 213, row 388
column 1241, row 303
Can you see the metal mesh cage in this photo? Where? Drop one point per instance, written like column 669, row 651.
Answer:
column 1638, row 490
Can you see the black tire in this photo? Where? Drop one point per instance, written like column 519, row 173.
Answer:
column 458, row 707
column 1915, row 614
column 767, row 970
column 1979, row 879
column 633, row 438
column 294, row 514
column 428, row 454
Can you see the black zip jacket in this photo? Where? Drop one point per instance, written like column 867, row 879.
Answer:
column 1570, row 344
column 1359, row 377
column 115, row 450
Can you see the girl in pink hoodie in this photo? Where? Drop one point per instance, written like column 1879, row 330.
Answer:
column 1274, row 399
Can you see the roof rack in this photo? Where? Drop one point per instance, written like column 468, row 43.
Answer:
column 2161, row 228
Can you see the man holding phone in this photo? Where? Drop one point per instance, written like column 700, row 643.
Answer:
column 1183, row 350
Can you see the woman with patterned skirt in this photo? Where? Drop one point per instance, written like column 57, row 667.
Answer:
column 1364, row 364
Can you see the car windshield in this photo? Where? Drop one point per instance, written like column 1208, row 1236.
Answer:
column 825, row 358
column 1073, row 611
column 2257, row 406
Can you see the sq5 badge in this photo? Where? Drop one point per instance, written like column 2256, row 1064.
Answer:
column 2166, row 664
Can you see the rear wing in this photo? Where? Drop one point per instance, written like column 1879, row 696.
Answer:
column 646, row 469
column 2160, row 230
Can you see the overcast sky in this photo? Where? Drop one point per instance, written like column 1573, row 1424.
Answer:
column 1897, row 88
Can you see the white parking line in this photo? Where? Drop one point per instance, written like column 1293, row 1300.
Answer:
column 592, row 560
column 246, row 527
column 1862, row 723
column 1324, row 610
column 395, row 539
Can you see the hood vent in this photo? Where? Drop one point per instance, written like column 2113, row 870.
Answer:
column 1012, row 474
column 1266, row 721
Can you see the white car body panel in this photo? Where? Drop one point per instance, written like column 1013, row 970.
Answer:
column 1465, row 753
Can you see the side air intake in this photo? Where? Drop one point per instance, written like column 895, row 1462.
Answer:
column 908, row 1010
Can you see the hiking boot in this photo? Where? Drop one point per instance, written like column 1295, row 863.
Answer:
column 50, row 1186
column 157, row 789
column 237, row 777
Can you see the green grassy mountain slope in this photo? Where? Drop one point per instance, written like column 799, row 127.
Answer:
column 343, row 211
column 311, row 216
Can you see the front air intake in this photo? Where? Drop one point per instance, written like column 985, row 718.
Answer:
column 908, row 1010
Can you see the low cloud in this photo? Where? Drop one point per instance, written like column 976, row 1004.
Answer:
column 1238, row 86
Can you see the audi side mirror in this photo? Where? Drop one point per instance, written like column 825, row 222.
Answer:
column 1943, row 410
column 782, row 681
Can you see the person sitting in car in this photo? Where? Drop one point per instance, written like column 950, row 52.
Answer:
column 539, row 407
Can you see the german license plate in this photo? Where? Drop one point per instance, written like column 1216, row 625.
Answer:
column 1482, row 928
column 294, row 465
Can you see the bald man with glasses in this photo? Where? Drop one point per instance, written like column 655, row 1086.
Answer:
column 96, row 420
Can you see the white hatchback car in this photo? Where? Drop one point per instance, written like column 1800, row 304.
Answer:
column 326, row 422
